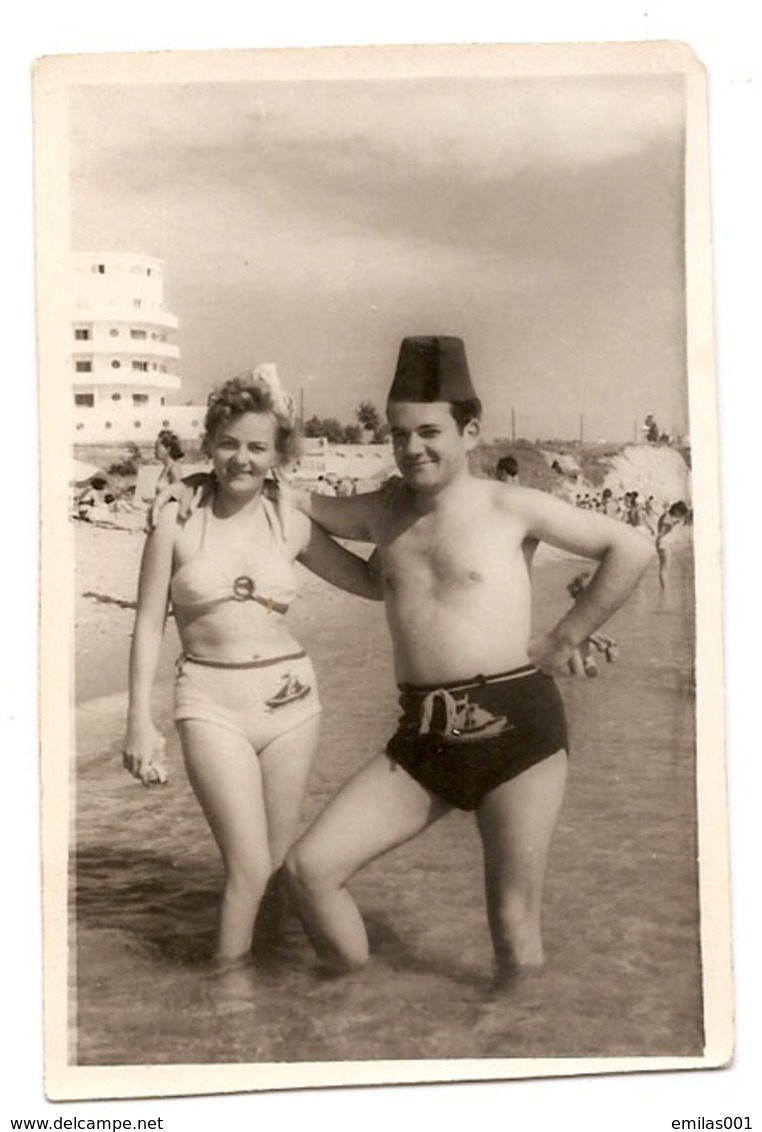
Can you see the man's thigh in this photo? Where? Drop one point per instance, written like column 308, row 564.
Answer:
column 380, row 807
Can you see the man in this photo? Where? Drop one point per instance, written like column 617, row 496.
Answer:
column 673, row 516
column 483, row 725
column 507, row 470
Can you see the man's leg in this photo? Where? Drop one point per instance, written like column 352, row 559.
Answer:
column 379, row 808
column 516, row 823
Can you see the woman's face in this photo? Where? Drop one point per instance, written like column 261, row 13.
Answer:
column 243, row 451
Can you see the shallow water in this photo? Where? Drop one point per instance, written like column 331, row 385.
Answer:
column 621, row 905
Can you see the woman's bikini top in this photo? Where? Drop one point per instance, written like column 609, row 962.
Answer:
column 264, row 572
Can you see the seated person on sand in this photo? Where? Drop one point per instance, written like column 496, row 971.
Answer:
column 482, row 724
column 95, row 503
column 246, row 700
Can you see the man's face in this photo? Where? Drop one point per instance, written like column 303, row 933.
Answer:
column 428, row 447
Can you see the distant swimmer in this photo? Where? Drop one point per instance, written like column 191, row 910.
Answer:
column 672, row 517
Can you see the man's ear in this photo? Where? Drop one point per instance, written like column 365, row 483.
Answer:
column 472, row 431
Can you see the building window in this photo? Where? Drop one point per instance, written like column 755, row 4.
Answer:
column 83, row 367
column 140, row 398
column 137, row 304
column 116, row 364
column 84, row 400
column 108, row 424
column 162, row 368
column 137, row 424
column 142, row 367
column 138, row 334
column 79, row 425
column 98, row 269
column 82, row 334
column 116, row 396
column 114, row 332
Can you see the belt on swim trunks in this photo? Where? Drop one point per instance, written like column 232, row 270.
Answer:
column 209, row 662
column 475, row 682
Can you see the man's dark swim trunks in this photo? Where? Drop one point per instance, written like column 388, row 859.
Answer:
column 461, row 740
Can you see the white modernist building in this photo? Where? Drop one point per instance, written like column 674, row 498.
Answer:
column 124, row 356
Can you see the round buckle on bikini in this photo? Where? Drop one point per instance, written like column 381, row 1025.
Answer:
column 243, row 588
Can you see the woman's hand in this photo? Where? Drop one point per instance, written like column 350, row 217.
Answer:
column 144, row 754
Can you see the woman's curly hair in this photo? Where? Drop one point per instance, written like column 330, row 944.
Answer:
column 250, row 392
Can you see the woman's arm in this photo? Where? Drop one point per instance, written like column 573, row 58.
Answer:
column 143, row 743
column 336, row 564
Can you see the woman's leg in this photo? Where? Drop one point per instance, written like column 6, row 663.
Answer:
column 224, row 772
column 285, row 765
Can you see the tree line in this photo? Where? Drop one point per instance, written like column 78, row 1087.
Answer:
column 369, row 426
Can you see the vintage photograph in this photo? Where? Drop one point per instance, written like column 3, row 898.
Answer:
column 380, row 568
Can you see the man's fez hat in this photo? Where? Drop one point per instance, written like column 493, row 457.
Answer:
column 432, row 369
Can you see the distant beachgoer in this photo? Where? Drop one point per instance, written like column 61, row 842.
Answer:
column 608, row 503
column 671, row 517
column 246, row 700
column 635, row 512
column 507, row 470
column 324, row 487
column 582, row 660
column 345, row 487
column 97, row 502
column 169, row 450
column 651, row 429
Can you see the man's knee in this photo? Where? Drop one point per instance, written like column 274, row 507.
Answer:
column 305, row 875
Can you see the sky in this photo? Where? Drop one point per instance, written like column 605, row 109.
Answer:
column 315, row 223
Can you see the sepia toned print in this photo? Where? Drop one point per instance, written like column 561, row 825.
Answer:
column 301, row 219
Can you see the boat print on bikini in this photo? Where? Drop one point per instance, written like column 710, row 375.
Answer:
column 457, row 719
column 291, row 690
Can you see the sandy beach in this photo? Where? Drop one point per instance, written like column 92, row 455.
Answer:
column 621, row 905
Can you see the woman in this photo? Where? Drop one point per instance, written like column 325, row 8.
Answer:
column 168, row 450
column 246, row 703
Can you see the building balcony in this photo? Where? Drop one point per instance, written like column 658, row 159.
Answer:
column 127, row 378
column 124, row 312
column 104, row 348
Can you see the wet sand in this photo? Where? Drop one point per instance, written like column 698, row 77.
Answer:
column 623, row 976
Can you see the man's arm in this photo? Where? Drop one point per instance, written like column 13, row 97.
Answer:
column 623, row 555
column 337, row 565
column 349, row 516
